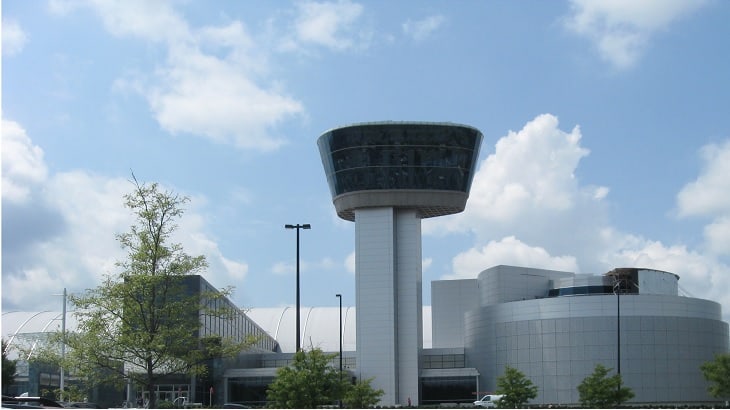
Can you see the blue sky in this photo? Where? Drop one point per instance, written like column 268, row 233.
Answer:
column 606, row 135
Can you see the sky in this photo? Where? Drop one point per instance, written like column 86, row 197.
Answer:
column 606, row 135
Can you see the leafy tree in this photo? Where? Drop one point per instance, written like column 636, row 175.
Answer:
column 143, row 323
column 517, row 388
column 717, row 373
column 361, row 395
column 601, row 391
column 310, row 381
column 9, row 367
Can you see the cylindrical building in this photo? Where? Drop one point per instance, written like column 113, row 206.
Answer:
column 386, row 177
column 555, row 327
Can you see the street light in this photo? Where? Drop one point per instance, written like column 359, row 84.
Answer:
column 297, row 227
column 339, row 296
column 617, row 291
column 63, row 342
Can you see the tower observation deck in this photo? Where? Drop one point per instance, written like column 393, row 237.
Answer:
column 386, row 177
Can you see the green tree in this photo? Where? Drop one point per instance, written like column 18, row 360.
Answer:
column 361, row 395
column 601, row 391
column 143, row 323
column 717, row 373
column 9, row 366
column 309, row 381
column 517, row 388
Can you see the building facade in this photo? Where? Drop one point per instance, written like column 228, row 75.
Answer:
column 553, row 326
column 28, row 331
column 556, row 327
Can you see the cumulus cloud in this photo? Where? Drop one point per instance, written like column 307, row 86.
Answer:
column 527, row 208
column 213, row 83
column 527, row 188
column 350, row 263
column 13, row 37
column 717, row 235
column 205, row 95
column 65, row 235
column 22, row 163
column 708, row 196
column 622, row 29
column 701, row 275
column 508, row 251
column 328, row 24
column 421, row 29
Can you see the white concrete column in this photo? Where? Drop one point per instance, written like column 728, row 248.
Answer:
column 389, row 302
column 409, row 322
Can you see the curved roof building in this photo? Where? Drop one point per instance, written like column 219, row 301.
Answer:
column 386, row 177
column 555, row 327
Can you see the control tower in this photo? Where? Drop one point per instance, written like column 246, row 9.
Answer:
column 386, row 177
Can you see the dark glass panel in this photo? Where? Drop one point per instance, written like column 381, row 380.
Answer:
column 399, row 156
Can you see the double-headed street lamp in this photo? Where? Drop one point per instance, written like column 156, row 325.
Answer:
column 297, row 227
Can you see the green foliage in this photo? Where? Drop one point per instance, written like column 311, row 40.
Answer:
column 71, row 393
column 517, row 388
column 361, row 395
column 9, row 367
column 165, row 404
column 717, row 373
column 144, row 318
column 601, row 391
column 310, row 381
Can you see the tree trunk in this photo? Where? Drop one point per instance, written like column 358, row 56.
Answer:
column 151, row 385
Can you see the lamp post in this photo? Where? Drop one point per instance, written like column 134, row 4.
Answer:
column 61, row 385
column 297, row 227
column 617, row 291
column 339, row 296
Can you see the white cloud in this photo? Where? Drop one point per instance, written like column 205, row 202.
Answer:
column 508, row 251
column 350, row 263
column 73, row 219
column 282, row 268
column 530, row 177
column 527, row 207
column 717, row 235
column 205, row 95
column 526, row 194
column 13, row 37
column 22, row 163
column 709, row 196
column 213, row 81
column 426, row 263
column 701, row 275
column 621, row 29
column 328, row 24
column 420, row 29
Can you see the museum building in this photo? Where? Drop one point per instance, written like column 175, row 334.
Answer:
column 553, row 326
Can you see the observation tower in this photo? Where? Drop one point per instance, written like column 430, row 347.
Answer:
column 386, row 177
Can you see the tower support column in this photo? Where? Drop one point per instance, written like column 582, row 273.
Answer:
column 389, row 301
